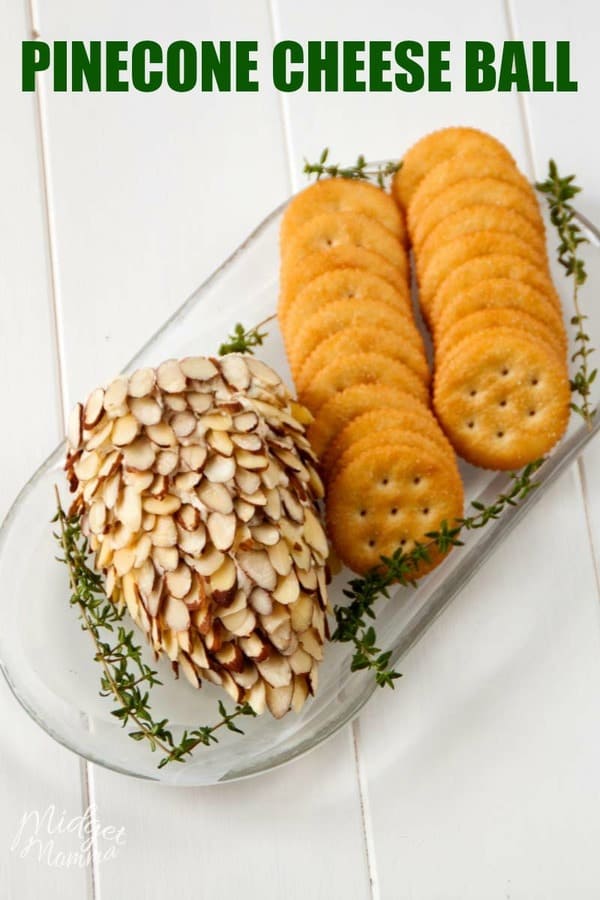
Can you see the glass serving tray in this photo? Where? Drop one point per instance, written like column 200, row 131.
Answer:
column 47, row 659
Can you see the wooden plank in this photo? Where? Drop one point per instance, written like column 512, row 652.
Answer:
column 148, row 241
column 35, row 772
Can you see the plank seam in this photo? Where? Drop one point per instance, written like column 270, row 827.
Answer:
column 286, row 127
column 365, row 813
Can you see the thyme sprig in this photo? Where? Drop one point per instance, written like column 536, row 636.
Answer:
column 245, row 340
column 125, row 677
column 360, row 171
column 558, row 192
column 400, row 569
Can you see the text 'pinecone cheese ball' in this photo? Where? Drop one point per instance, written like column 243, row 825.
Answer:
column 198, row 489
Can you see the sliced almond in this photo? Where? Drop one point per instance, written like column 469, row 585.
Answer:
column 189, row 670
column 219, row 469
column 183, row 423
column 209, row 562
column 192, row 542
column 265, row 534
column 146, row 410
column 123, row 560
column 278, row 616
column 233, row 689
column 110, row 463
column 141, row 382
column 179, row 581
column 301, row 555
column 115, row 397
column 195, row 597
column 170, row 377
column 175, row 402
column 110, row 582
column 275, row 670
column 257, row 697
column 185, row 482
column 110, row 490
column 247, row 677
column 148, row 521
column 166, row 559
column 311, row 642
column 164, row 533
column 274, row 476
column 161, row 434
column 244, row 511
column 280, row 557
column 139, row 481
column 246, row 421
column 198, row 653
column 94, row 409
column 300, row 694
column 140, row 454
column 302, row 612
column 250, row 441
column 188, row 517
column 121, row 536
column 253, row 461
column 314, row 534
column 217, row 421
column 313, row 678
column 257, row 566
column 273, row 505
column 176, row 614
column 231, row 657
column 198, row 368
column 293, row 507
column 307, row 579
column 167, row 461
column 200, row 403
column 224, row 579
column 288, row 588
column 215, row 497
column 247, row 482
column 171, row 646
column 255, row 647
column 263, row 372
column 130, row 594
column 261, row 601
column 258, row 498
column 145, row 575
column 128, row 509
column 221, row 529
column 97, row 516
column 235, row 371
column 87, row 466
column 282, row 638
column 193, row 457
column 164, row 506
column 301, row 661
column 105, row 555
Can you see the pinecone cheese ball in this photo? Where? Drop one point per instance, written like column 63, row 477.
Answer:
column 198, row 489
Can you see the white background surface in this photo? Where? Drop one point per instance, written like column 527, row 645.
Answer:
column 479, row 777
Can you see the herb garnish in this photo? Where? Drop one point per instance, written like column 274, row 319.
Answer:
column 401, row 567
column 244, row 340
column 360, row 171
column 559, row 191
column 125, row 677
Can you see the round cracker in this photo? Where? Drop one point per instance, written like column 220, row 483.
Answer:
column 504, row 400
column 472, row 191
column 394, row 436
column 351, row 313
column 334, row 415
column 387, row 499
column 453, row 254
column 341, row 284
column 363, row 368
column 334, row 195
column 345, row 229
column 476, row 218
column 436, row 147
column 493, row 266
column 364, row 339
column 466, row 165
column 418, row 421
column 301, row 272
column 496, row 294
column 464, row 326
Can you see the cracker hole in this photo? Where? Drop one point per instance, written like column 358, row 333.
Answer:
column 470, row 424
column 425, row 510
column 499, row 434
column 371, row 543
column 472, row 393
column 532, row 412
column 403, row 542
column 417, row 479
column 504, row 371
column 394, row 511
column 502, row 403
column 535, row 381
column 385, row 481
column 362, row 513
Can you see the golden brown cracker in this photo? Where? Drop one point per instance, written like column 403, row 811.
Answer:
column 299, row 273
column 480, row 217
column 361, row 368
column 465, row 165
column 436, row 147
column 518, row 319
column 388, row 499
column 346, row 314
column 334, row 415
column 417, row 421
column 364, row 339
column 495, row 294
column 341, row 284
column 470, row 191
column 394, row 437
column 504, row 400
column 334, row 195
column 345, row 229
column 453, row 254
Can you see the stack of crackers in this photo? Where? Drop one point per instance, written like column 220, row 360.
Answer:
column 501, row 388
column 359, row 365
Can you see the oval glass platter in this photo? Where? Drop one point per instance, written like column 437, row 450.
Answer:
column 47, row 659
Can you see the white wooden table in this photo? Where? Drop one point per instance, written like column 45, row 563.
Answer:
column 479, row 777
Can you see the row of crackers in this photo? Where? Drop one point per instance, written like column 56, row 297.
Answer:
column 359, row 365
